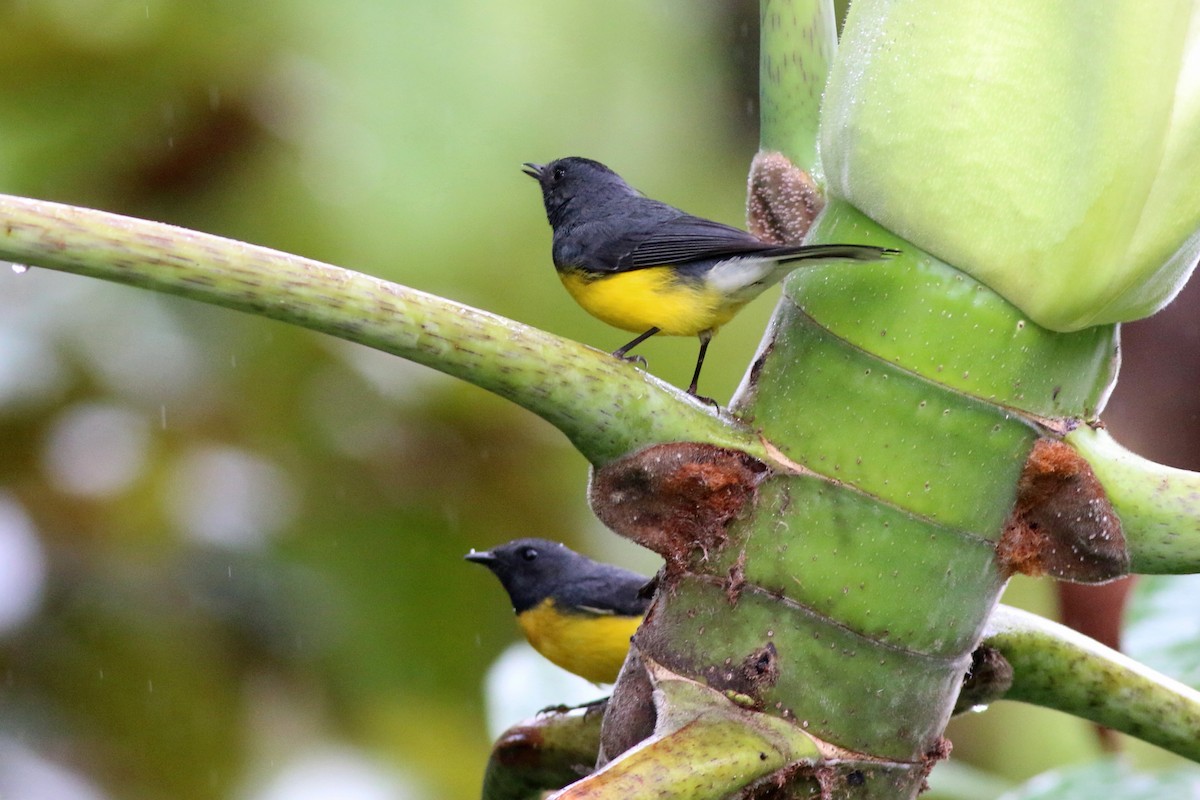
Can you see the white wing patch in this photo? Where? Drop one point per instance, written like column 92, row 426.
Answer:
column 597, row 611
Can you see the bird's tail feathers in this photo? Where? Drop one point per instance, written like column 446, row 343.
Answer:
column 855, row 252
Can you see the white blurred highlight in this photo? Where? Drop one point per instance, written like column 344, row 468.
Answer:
column 337, row 773
column 22, row 569
column 96, row 449
column 24, row 775
column 226, row 496
column 520, row 683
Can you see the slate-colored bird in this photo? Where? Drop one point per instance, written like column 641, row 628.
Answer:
column 648, row 267
column 577, row 612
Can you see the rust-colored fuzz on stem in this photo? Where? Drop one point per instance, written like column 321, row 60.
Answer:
column 1062, row 524
column 677, row 498
column 781, row 200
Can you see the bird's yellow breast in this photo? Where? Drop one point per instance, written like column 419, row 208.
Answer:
column 590, row 645
column 650, row 298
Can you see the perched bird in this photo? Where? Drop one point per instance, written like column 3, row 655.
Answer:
column 576, row 612
column 648, row 267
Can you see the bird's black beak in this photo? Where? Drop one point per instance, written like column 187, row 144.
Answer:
column 533, row 170
column 484, row 557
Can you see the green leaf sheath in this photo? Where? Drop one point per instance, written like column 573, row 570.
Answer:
column 927, row 318
column 605, row 406
column 915, row 396
column 1050, row 150
column 1055, row 667
column 703, row 746
column 798, row 41
column 706, row 747
column 544, row 753
column 839, row 685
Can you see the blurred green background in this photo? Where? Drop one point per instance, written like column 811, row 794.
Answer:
column 230, row 551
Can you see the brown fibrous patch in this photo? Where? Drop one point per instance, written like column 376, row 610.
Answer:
column 784, row 782
column 940, row 751
column 752, row 676
column 989, row 679
column 1062, row 523
column 676, row 499
column 782, row 200
column 737, row 579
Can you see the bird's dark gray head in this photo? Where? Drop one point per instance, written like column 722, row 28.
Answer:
column 530, row 569
column 572, row 182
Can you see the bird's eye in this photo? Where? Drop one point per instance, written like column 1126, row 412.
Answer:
column 529, row 553
column 558, row 173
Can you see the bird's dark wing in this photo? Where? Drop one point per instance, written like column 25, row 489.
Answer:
column 608, row 590
column 687, row 238
column 647, row 233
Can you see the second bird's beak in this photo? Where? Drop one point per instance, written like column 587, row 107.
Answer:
column 533, row 170
column 484, row 557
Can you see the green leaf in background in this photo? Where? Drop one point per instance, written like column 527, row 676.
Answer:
column 1109, row 779
column 1162, row 625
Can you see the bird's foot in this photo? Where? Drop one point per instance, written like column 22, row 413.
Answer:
column 588, row 707
column 706, row 400
column 634, row 359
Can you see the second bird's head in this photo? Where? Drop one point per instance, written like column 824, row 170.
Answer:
column 529, row 569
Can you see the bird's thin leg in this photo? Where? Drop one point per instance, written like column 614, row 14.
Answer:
column 705, row 338
column 621, row 351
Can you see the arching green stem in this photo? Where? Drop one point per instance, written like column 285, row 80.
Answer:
column 798, row 39
column 605, row 406
column 1055, row 667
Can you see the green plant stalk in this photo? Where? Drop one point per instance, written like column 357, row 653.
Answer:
column 798, row 41
column 605, row 406
column 707, row 745
column 543, row 753
column 1056, row 667
column 873, row 564
column 704, row 746
column 871, row 570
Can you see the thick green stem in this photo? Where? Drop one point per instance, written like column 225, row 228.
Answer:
column 605, row 406
column 1055, row 667
column 849, row 592
column 798, row 41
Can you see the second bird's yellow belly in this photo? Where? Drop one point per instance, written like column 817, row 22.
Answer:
column 590, row 645
column 650, row 298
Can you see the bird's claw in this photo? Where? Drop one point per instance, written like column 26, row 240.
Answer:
column 634, row 359
column 564, row 709
column 706, row 400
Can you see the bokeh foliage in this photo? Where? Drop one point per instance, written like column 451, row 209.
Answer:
column 250, row 536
